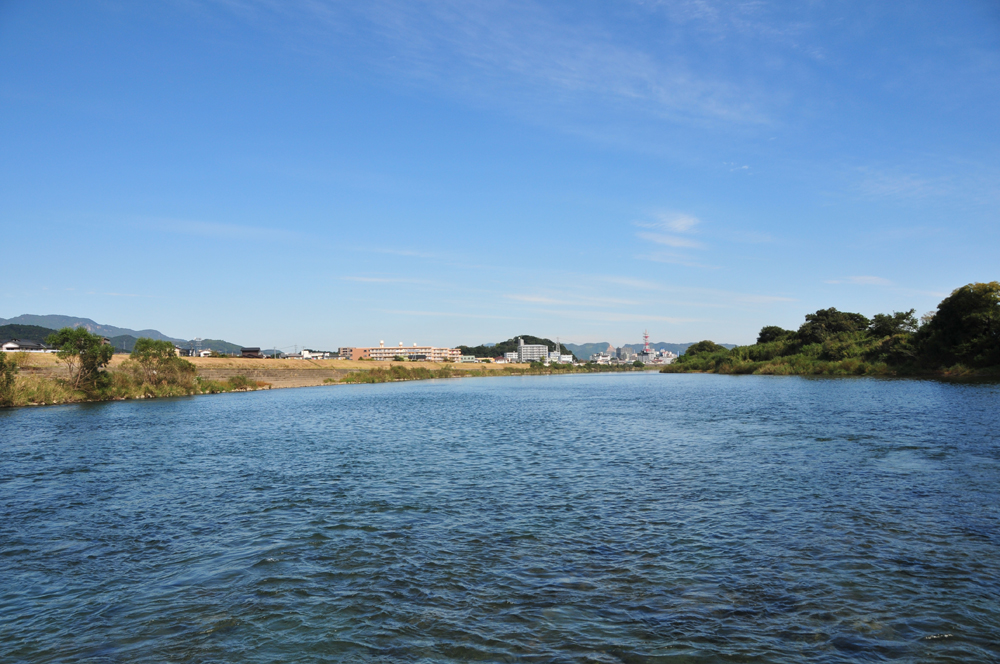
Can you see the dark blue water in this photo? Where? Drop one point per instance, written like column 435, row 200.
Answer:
column 593, row 518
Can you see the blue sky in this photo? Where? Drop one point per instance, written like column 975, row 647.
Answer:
column 332, row 174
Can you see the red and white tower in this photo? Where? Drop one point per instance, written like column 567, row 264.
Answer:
column 645, row 342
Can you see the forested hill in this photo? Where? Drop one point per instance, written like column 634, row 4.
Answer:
column 24, row 332
column 510, row 346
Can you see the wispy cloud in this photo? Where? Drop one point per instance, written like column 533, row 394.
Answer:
column 218, row 230
column 565, row 298
column 528, row 54
column 617, row 316
column 894, row 184
column 674, row 259
column 671, row 240
column 860, row 281
column 673, row 221
column 385, row 280
column 445, row 314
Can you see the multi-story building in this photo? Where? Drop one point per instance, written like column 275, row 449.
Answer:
column 414, row 352
column 531, row 352
column 510, row 357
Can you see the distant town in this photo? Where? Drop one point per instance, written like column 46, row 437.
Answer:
column 30, row 337
column 525, row 354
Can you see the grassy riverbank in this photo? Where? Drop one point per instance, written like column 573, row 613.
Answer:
column 37, row 380
column 416, row 372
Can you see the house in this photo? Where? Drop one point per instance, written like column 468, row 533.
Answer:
column 308, row 354
column 26, row 346
column 251, row 353
column 205, row 353
column 183, row 352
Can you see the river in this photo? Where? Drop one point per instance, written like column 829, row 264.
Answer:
column 578, row 518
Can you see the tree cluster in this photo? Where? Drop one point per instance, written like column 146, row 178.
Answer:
column 964, row 331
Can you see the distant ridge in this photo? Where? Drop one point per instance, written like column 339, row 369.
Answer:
column 122, row 338
column 57, row 322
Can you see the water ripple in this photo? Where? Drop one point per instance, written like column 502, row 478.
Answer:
column 631, row 518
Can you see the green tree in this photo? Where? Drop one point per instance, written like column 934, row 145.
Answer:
column 826, row 322
column 638, row 365
column 85, row 354
column 705, row 346
column 8, row 378
column 899, row 322
column 154, row 357
column 770, row 333
column 965, row 328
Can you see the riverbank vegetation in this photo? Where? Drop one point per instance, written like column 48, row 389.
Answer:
column 152, row 370
column 960, row 339
column 402, row 373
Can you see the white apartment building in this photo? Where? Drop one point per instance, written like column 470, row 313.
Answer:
column 429, row 353
column 531, row 352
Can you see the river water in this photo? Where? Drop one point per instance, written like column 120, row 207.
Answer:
column 587, row 518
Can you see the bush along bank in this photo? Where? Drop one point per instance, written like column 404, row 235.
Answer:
column 152, row 370
column 960, row 339
column 401, row 373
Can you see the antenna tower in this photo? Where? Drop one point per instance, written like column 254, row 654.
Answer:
column 645, row 341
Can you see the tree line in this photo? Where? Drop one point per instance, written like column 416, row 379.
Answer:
column 961, row 336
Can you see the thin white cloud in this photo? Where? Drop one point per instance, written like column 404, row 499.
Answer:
column 674, row 259
column 217, row 230
column 764, row 299
column 571, row 299
column 617, row 316
column 527, row 55
column 384, row 280
column 671, row 240
column 680, row 223
column 889, row 184
column 860, row 281
column 444, row 314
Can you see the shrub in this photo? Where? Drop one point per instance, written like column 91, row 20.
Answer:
column 241, row 383
column 85, row 355
column 965, row 329
column 771, row 333
column 705, row 346
column 826, row 322
column 8, row 378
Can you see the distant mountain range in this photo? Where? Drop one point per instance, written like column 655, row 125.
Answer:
column 584, row 351
column 55, row 322
column 36, row 328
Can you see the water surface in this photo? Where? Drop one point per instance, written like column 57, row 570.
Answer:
column 589, row 518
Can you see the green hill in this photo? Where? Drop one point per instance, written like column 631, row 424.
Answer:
column 510, row 346
column 24, row 332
